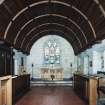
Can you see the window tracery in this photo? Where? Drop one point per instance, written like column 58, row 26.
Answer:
column 51, row 52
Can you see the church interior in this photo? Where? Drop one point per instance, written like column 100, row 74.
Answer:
column 52, row 52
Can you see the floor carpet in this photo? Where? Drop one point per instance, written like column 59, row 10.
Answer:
column 51, row 96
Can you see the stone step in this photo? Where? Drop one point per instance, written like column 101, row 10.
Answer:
column 51, row 83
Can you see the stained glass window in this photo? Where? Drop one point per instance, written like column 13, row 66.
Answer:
column 51, row 52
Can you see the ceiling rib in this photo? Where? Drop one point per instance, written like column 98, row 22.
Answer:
column 64, row 17
column 16, row 16
column 28, row 45
column 28, row 34
column 87, row 22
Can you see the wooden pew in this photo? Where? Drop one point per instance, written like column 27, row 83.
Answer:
column 20, row 85
column 86, row 88
column 6, row 90
column 101, row 87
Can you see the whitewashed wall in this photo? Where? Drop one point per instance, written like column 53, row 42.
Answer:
column 17, row 61
column 94, row 54
column 36, row 56
column 96, row 61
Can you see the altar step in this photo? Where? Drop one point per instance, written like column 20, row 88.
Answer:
column 51, row 83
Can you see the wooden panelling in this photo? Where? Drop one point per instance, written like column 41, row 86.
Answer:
column 86, row 88
column 6, row 90
column 20, row 85
column 81, row 12
column 6, row 61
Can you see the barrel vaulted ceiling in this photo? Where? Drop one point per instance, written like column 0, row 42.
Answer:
column 81, row 22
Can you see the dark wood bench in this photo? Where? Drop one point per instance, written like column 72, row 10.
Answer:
column 20, row 85
column 101, row 86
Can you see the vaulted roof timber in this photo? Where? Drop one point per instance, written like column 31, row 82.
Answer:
column 86, row 19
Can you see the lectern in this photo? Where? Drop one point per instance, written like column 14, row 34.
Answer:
column 6, row 90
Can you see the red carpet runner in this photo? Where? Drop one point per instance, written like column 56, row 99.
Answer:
column 51, row 96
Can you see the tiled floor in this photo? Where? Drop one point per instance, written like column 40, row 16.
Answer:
column 51, row 96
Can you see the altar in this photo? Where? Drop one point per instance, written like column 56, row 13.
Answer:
column 51, row 68
column 56, row 73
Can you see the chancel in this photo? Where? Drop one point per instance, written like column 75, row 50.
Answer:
column 52, row 52
column 52, row 68
column 52, row 62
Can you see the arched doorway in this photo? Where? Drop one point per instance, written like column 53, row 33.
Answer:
column 51, row 55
